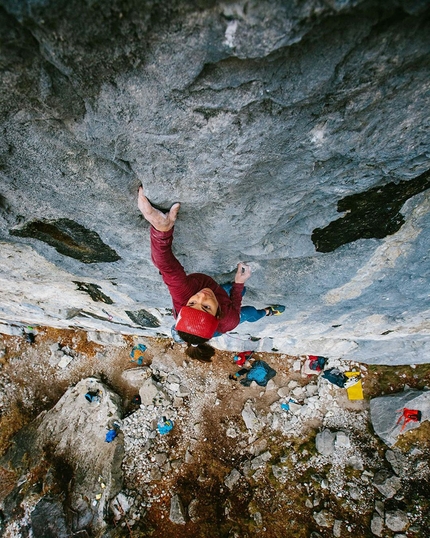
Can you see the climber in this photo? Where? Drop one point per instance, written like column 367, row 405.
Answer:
column 202, row 307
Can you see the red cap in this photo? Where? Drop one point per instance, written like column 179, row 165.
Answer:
column 196, row 322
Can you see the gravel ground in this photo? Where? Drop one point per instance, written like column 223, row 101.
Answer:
column 235, row 463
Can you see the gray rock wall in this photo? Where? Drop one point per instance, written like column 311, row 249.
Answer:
column 294, row 134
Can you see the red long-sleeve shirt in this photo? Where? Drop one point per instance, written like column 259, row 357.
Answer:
column 182, row 286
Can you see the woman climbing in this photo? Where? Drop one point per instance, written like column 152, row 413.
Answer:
column 202, row 307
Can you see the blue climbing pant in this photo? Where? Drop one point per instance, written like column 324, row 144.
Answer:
column 250, row 313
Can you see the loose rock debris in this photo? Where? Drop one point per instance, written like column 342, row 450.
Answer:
column 292, row 458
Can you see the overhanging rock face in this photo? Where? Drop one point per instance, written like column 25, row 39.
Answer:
column 295, row 135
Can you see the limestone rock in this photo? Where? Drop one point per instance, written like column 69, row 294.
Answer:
column 136, row 376
column 342, row 440
column 272, row 125
column 120, row 506
column 397, row 460
column 250, row 418
column 325, row 442
column 106, row 338
column 177, row 511
column 48, row 516
column 193, row 511
column 71, row 436
column 396, row 520
column 324, row 518
column 232, row 478
column 387, row 483
column 385, row 415
column 337, row 528
column 377, row 525
column 151, row 394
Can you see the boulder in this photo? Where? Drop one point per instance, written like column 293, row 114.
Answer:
column 385, row 412
column 71, row 437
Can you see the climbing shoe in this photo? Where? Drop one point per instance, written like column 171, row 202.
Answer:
column 275, row 309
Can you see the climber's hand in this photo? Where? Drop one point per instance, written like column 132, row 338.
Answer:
column 163, row 222
column 243, row 273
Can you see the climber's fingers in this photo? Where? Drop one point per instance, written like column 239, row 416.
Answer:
column 159, row 220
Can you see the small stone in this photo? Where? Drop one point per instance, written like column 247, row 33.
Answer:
column 311, row 389
column 189, row 458
column 387, row 483
column 261, row 460
column 298, row 393
column 342, row 440
column 183, row 391
column 278, row 473
column 249, row 417
column 324, row 518
column 377, row 525
column 356, row 463
column 155, row 474
column 177, row 511
column 396, row 520
column 177, row 402
column 397, row 461
column 271, row 385
column 65, row 361
column 173, row 378
column 337, row 528
column 160, row 458
column 283, row 392
column 325, row 442
column 380, row 508
column 295, row 408
column 193, row 510
column 258, row 518
column 232, row 478
column 355, row 493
